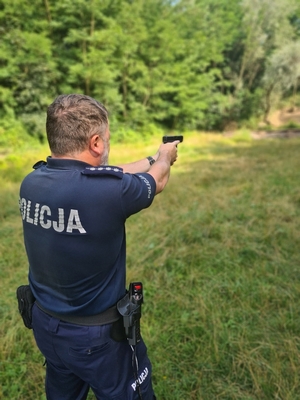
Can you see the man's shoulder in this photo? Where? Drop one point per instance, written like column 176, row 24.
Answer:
column 39, row 164
column 105, row 170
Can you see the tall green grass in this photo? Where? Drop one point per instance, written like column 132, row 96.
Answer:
column 218, row 253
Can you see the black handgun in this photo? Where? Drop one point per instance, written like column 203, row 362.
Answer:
column 170, row 139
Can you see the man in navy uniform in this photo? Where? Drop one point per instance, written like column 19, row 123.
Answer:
column 74, row 208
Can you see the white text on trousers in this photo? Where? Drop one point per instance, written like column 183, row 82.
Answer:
column 41, row 215
column 141, row 379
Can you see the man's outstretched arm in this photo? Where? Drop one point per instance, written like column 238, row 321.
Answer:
column 138, row 166
column 160, row 170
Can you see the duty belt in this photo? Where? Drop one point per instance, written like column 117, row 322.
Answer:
column 106, row 317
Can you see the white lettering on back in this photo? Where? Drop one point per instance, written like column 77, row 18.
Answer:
column 22, row 203
column 74, row 222
column 43, row 217
column 28, row 218
column 36, row 214
column 45, row 223
column 60, row 225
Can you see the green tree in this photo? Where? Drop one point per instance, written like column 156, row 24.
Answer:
column 282, row 74
column 265, row 28
column 184, row 64
column 27, row 70
column 183, row 55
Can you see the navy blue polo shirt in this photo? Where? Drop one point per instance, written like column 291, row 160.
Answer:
column 74, row 232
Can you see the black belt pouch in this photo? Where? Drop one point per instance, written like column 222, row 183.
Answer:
column 25, row 303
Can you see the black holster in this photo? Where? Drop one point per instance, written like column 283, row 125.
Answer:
column 117, row 332
column 130, row 309
column 25, row 303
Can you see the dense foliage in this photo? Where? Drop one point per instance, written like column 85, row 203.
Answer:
column 198, row 64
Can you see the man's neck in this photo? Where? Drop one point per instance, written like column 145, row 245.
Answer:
column 85, row 156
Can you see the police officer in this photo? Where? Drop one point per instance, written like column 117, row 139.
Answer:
column 74, row 208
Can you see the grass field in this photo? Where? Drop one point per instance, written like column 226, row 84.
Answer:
column 218, row 254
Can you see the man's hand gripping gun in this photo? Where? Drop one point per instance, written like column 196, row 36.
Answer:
column 130, row 309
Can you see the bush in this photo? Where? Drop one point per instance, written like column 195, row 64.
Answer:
column 13, row 134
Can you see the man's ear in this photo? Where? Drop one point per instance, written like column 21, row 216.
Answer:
column 96, row 144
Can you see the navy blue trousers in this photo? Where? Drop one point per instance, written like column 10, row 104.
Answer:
column 83, row 357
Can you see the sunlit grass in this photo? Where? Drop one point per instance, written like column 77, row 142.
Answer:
column 218, row 253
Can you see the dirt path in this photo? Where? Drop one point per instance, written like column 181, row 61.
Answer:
column 277, row 119
column 271, row 135
column 284, row 116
